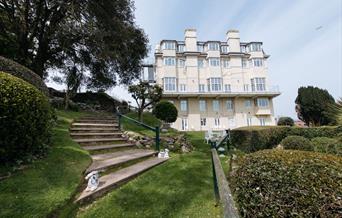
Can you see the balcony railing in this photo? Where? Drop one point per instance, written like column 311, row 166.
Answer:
column 233, row 89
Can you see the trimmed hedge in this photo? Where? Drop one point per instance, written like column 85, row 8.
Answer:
column 166, row 111
column 327, row 145
column 251, row 139
column 25, row 119
column 297, row 143
column 18, row 70
column 287, row 183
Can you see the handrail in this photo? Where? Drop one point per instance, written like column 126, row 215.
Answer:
column 221, row 186
column 154, row 129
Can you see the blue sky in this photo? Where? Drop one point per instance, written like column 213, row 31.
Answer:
column 303, row 37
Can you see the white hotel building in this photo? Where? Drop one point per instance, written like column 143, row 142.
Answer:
column 215, row 85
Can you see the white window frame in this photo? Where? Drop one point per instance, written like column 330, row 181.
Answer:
column 169, row 45
column 257, row 62
column 224, row 49
column 217, row 122
column 242, row 48
column 169, row 84
column 203, row 121
column 214, row 62
column 248, row 103
column 200, row 48
column 202, row 105
column 244, row 63
column 216, row 105
column 181, row 48
column 262, row 102
column 227, row 88
column 225, row 63
column 262, row 121
column 185, row 125
column 169, row 61
column 201, row 87
column 230, row 105
column 181, row 62
column 246, row 87
column 183, row 105
column 258, row 84
column 182, row 87
column 200, row 63
column 213, row 46
column 249, row 121
column 215, row 84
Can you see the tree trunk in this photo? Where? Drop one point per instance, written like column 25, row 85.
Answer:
column 140, row 114
column 66, row 100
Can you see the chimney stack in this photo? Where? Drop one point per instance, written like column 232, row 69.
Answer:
column 233, row 40
column 190, row 39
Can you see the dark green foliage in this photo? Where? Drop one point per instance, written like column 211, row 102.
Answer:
column 15, row 69
column 313, row 106
column 145, row 95
column 25, row 119
column 327, row 145
column 101, row 99
column 97, row 37
column 285, row 121
column 250, row 139
column 166, row 111
column 281, row 183
column 296, row 143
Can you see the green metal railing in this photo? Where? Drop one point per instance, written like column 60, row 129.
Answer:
column 154, row 129
column 221, row 186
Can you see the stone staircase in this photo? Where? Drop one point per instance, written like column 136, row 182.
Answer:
column 112, row 154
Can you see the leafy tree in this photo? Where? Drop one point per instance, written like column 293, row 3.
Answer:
column 312, row 106
column 145, row 95
column 166, row 111
column 100, row 36
column 285, row 121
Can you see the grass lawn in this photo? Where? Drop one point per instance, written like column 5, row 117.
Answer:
column 47, row 184
column 181, row 187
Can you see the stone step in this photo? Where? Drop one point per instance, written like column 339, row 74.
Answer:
column 118, row 178
column 105, row 161
column 102, row 125
column 95, row 121
column 90, row 135
column 107, row 147
column 98, row 141
column 93, row 130
column 99, row 117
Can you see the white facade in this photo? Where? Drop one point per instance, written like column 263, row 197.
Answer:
column 215, row 85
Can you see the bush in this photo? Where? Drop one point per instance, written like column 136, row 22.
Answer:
column 297, row 143
column 250, row 139
column 18, row 70
column 166, row 111
column 281, row 183
column 327, row 145
column 26, row 119
column 285, row 121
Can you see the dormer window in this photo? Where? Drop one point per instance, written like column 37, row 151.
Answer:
column 213, row 46
column 169, row 45
column 253, row 47
column 224, row 49
column 181, row 48
column 200, row 48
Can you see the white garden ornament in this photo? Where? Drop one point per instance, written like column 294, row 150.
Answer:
column 164, row 154
column 93, row 181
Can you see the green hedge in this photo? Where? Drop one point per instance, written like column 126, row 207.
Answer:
column 18, row 70
column 297, row 143
column 327, row 145
column 287, row 183
column 251, row 139
column 25, row 119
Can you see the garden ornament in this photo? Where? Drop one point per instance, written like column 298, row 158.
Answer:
column 93, row 181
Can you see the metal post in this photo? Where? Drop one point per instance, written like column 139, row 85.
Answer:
column 216, row 191
column 157, row 138
column 119, row 117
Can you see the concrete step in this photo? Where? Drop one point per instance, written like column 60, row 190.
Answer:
column 105, row 161
column 107, row 147
column 90, row 125
column 96, row 121
column 90, row 135
column 118, row 178
column 99, row 117
column 99, row 141
column 93, row 130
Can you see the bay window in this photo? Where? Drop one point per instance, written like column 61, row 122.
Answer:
column 258, row 84
column 170, row 84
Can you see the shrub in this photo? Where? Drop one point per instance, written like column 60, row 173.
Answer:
column 18, row 70
column 296, row 143
column 250, row 139
column 285, row 121
column 327, row 145
column 166, row 111
column 25, row 116
column 281, row 183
